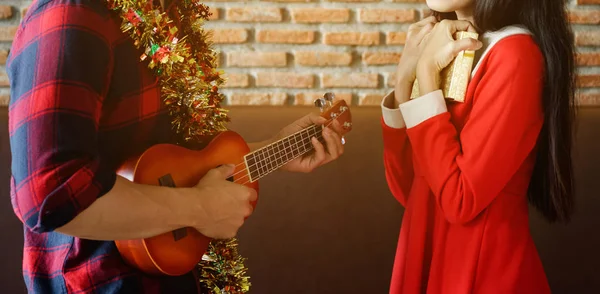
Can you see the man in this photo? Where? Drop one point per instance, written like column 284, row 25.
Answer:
column 81, row 104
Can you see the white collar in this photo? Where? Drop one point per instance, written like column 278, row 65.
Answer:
column 490, row 39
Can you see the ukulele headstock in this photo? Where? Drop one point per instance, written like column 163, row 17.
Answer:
column 335, row 110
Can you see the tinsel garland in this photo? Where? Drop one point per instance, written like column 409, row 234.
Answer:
column 181, row 56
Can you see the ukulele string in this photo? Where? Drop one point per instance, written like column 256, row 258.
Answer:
column 277, row 165
column 297, row 144
column 327, row 124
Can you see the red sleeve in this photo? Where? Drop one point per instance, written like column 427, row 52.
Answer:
column 466, row 173
column 59, row 72
column 397, row 160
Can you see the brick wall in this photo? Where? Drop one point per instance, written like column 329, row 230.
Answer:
column 288, row 52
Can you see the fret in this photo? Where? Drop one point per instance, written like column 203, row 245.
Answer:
column 309, row 135
column 251, row 164
column 278, row 155
column 287, row 148
column 272, row 157
column 267, row 159
column 296, row 145
column 303, row 141
column 261, row 160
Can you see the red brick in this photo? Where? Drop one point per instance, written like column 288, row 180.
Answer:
column 587, row 38
column 3, row 79
column 284, row 80
column 229, row 36
column 256, row 59
column 350, row 80
column 258, row 99
column 391, row 80
column 7, row 33
column 588, row 81
column 5, row 12
column 254, row 14
column 584, row 16
column 214, row 13
column 370, row 99
column 351, row 38
column 588, row 59
column 308, row 98
column 395, row 38
column 586, row 2
column 285, row 36
column 380, row 58
column 3, row 56
column 235, row 80
column 320, row 15
column 588, row 99
column 387, row 15
column 317, row 58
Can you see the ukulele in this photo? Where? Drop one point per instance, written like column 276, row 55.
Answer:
column 178, row 252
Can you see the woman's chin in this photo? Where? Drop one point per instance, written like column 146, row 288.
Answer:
column 442, row 5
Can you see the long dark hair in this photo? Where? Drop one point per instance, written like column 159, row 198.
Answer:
column 551, row 189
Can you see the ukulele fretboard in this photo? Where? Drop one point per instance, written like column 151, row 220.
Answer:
column 275, row 155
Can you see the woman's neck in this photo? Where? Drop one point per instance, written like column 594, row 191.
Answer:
column 466, row 14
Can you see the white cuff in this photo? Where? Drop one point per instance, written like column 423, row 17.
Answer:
column 423, row 108
column 392, row 117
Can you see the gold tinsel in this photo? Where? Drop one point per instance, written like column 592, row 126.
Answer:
column 181, row 56
column 223, row 269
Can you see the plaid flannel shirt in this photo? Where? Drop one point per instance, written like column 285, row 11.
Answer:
column 81, row 103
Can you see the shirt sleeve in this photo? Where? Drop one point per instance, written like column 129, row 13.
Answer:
column 467, row 171
column 397, row 153
column 59, row 72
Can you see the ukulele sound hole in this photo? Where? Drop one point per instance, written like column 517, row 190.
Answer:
column 167, row 181
column 230, row 178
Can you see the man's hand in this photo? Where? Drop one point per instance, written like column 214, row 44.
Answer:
column 322, row 154
column 225, row 205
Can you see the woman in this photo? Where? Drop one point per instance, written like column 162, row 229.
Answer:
column 465, row 171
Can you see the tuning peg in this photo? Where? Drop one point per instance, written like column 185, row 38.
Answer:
column 320, row 103
column 329, row 96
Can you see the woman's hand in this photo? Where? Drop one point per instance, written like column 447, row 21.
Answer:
column 440, row 49
column 406, row 70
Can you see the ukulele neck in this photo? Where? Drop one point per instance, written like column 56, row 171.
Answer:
column 275, row 155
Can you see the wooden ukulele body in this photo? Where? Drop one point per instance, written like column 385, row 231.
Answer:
column 177, row 252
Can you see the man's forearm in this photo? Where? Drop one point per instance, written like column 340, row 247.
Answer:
column 132, row 211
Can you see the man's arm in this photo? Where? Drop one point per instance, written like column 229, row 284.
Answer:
column 132, row 211
column 59, row 181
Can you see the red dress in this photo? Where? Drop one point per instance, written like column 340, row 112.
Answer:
column 462, row 171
